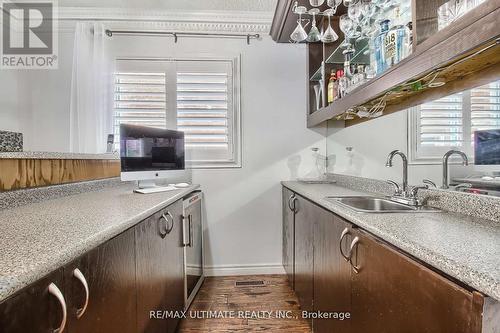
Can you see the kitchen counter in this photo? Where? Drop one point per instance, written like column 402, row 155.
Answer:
column 463, row 247
column 39, row 238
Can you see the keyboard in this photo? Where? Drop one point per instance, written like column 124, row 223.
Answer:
column 155, row 189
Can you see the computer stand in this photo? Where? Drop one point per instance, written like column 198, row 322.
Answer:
column 149, row 186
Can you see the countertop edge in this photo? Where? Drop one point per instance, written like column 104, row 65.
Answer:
column 469, row 276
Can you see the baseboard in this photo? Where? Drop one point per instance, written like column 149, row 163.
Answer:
column 228, row 270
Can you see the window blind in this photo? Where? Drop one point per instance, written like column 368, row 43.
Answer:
column 450, row 122
column 202, row 109
column 140, row 99
column 485, row 107
column 441, row 122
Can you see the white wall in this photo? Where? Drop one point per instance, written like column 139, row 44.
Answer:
column 243, row 205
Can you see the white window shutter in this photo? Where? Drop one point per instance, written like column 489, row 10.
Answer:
column 485, row 107
column 140, row 99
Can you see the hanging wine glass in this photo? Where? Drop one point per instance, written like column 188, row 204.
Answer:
column 347, row 3
column 329, row 35
column 334, row 4
column 316, row 3
column 314, row 34
column 299, row 34
column 354, row 12
column 346, row 25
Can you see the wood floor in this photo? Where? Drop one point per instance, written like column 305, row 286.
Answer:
column 220, row 294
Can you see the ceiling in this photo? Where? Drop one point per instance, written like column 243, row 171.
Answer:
column 178, row 5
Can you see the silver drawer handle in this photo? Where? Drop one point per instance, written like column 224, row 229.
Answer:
column 344, row 233
column 169, row 230
column 354, row 243
column 80, row 277
column 54, row 291
column 290, row 202
column 164, row 233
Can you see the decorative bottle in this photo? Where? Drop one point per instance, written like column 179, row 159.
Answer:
column 380, row 47
column 331, row 87
column 397, row 41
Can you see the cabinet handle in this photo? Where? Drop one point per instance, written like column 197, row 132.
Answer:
column 169, row 230
column 164, row 218
column 354, row 243
column 54, row 291
column 80, row 277
column 190, row 224
column 344, row 233
column 290, row 202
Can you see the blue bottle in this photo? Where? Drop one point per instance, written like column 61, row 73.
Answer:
column 380, row 47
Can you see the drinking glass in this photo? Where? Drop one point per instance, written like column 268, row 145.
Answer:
column 316, row 3
column 354, row 12
column 346, row 25
column 334, row 4
column 299, row 34
column 330, row 35
column 347, row 3
column 314, row 34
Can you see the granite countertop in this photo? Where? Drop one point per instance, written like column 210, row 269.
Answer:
column 466, row 248
column 44, row 155
column 39, row 238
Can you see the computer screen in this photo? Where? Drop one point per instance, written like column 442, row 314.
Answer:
column 487, row 147
column 150, row 149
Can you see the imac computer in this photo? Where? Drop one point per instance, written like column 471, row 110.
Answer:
column 151, row 154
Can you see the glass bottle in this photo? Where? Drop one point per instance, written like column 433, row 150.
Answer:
column 380, row 46
column 396, row 40
column 331, row 87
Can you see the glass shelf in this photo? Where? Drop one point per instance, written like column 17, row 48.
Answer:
column 316, row 76
column 359, row 56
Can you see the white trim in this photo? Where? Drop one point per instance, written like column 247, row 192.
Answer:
column 177, row 21
column 229, row 270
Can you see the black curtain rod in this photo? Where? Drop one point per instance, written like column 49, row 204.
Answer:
column 176, row 35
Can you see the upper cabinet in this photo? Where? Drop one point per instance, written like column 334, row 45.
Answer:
column 391, row 54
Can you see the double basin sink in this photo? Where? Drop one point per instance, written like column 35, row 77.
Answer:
column 367, row 204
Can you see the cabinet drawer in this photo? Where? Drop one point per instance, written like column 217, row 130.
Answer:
column 393, row 293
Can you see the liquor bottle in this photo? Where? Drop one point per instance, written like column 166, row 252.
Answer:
column 397, row 40
column 380, row 47
column 338, row 75
column 331, row 87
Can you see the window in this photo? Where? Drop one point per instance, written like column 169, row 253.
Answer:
column 198, row 97
column 450, row 122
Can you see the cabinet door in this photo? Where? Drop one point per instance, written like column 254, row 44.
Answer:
column 332, row 273
column 305, row 215
column 393, row 293
column 288, row 236
column 175, row 263
column 34, row 309
column 110, row 274
column 152, row 271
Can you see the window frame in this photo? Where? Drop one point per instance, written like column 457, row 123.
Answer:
column 235, row 141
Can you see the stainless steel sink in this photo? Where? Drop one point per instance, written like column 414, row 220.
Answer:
column 377, row 205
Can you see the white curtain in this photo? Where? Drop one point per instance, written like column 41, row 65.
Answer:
column 91, row 108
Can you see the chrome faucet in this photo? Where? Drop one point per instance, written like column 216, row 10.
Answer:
column 404, row 190
column 445, row 165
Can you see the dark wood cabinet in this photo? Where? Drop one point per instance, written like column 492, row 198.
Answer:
column 112, row 288
column 175, row 262
column 392, row 293
column 305, row 215
column 160, row 268
column 332, row 273
column 152, row 271
column 288, row 235
column 383, row 289
column 34, row 310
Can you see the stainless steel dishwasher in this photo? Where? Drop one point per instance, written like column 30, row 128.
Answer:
column 193, row 246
